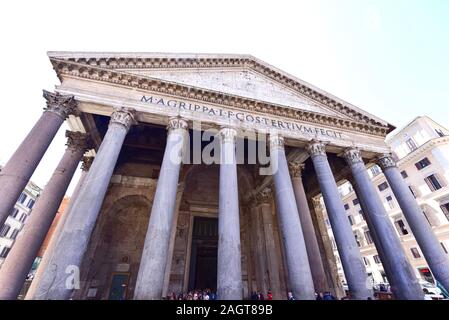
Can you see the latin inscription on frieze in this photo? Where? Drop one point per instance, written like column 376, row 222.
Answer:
column 243, row 117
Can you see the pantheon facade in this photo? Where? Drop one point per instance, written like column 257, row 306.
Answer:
column 149, row 217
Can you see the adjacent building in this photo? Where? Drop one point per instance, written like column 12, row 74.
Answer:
column 16, row 219
column 52, row 231
column 421, row 149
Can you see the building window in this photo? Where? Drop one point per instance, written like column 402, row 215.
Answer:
column 422, row 164
column 439, row 132
column 383, row 186
column 346, row 206
column 357, row 240
column 23, row 217
column 401, row 227
column 404, row 174
column 14, row 212
column 14, row 234
column 375, row 170
column 30, row 203
column 377, row 259
column 351, row 221
column 355, row 201
column 22, row 198
column 4, row 230
column 366, row 261
column 4, row 252
column 390, row 202
column 411, row 144
column 412, row 190
column 368, row 238
column 415, row 253
column 445, row 209
column 433, row 182
column 444, row 247
column 362, row 214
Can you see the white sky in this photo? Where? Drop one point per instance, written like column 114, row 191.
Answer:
column 387, row 57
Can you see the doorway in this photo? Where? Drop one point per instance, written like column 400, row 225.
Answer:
column 119, row 286
column 203, row 257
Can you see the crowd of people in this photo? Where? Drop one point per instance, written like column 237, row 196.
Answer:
column 257, row 295
column 206, row 294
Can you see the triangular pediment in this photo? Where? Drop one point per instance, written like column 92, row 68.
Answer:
column 240, row 82
column 234, row 75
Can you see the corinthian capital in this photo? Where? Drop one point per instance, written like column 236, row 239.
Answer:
column 228, row 135
column 78, row 141
column 296, row 168
column 316, row 148
column 62, row 105
column 352, row 156
column 176, row 123
column 264, row 196
column 276, row 141
column 386, row 161
column 87, row 162
column 123, row 116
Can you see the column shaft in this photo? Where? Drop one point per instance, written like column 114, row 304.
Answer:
column 229, row 266
column 313, row 250
column 405, row 283
column 19, row 261
column 351, row 259
column 43, row 264
column 62, row 276
column 436, row 258
column 299, row 273
column 374, row 236
column 20, row 167
column 171, row 246
column 150, row 279
column 272, row 257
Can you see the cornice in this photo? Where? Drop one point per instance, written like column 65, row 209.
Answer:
column 105, row 70
column 222, row 61
column 412, row 156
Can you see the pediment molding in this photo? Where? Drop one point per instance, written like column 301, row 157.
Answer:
column 111, row 70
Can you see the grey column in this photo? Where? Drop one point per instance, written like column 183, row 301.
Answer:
column 436, row 258
column 62, row 276
column 229, row 265
column 374, row 235
column 313, row 250
column 351, row 259
column 20, row 259
column 405, row 283
column 150, row 279
column 43, row 264
column 299, row 273
column 20, row 167
column 274, row 270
